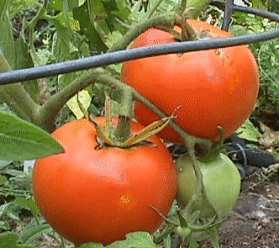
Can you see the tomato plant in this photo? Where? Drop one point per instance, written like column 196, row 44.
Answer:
column 213, row 87
column 104, row 188
column 99, row 195
column 221, row 181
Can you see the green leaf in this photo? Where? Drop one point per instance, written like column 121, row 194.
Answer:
column 67, row 45
column 62, row 44
column 249, row 132
column 3, row 8
column 214, row 237
column 65, row 5
column 4, row 225
column 10, row 240
column 24, row 60
column 193, row 244
column 27, row 204
column 3, row 180
column 4, row 163
column 56, row 5
column 17, row 6
column 4, row 208
column 68, row 5
column 84, row 99
column 7, row 40
column 259, row 4
column 196, row 7
column 21, row 140
column 167, row 242
column 135, row 240
column 86, row 28
column 34, row 231
column 275, row 6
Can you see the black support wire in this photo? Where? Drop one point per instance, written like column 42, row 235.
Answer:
column 228, row 14
column 258, row 12
column 130, row 54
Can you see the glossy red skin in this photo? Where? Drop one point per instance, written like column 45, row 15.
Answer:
column 90, row 195
column 213, row 87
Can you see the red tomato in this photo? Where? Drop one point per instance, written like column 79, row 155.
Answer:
column 213, row 87
column 90, row 195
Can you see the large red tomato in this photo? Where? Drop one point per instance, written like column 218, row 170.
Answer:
column 89, row 195
column 213, row 87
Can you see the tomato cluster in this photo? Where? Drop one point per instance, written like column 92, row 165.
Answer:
column 99, row 195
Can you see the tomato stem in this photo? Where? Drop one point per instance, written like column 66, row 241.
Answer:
column 191, row 34
column 190, row 145
column 15, row 96
column 183, row 5
column 187, row 32
column 108, row 114
column 214, row 237
column 216, row 148
column 154, row 22
column 123, row 131
column 199, row 198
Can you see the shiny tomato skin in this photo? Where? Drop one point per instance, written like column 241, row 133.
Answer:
column 90, row 195
column 221, row 181
column 213, row 87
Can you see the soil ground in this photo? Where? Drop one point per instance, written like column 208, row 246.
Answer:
column 255, row 220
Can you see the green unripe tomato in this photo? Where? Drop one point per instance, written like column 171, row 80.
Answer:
column 221, row 180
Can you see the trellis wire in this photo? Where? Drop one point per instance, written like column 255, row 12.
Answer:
column 135, row 53
column 228, row 14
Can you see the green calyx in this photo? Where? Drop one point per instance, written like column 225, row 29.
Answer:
column 216, row 149
column 120, row 135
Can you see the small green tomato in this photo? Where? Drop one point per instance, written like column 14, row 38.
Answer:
column 221, row 180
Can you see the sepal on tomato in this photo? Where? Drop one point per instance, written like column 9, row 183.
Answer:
column 120, row 135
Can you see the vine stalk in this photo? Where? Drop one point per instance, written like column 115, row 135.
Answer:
column 16, row 96
column 122, row 131
column 167, row 21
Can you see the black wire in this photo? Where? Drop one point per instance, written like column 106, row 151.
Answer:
column 228, row 14
column 258, row 12
column 126, row 55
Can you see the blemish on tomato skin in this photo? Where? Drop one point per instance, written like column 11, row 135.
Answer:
column 219, row 51
column 233, row 81
column 125, row 200
column 232, row 87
